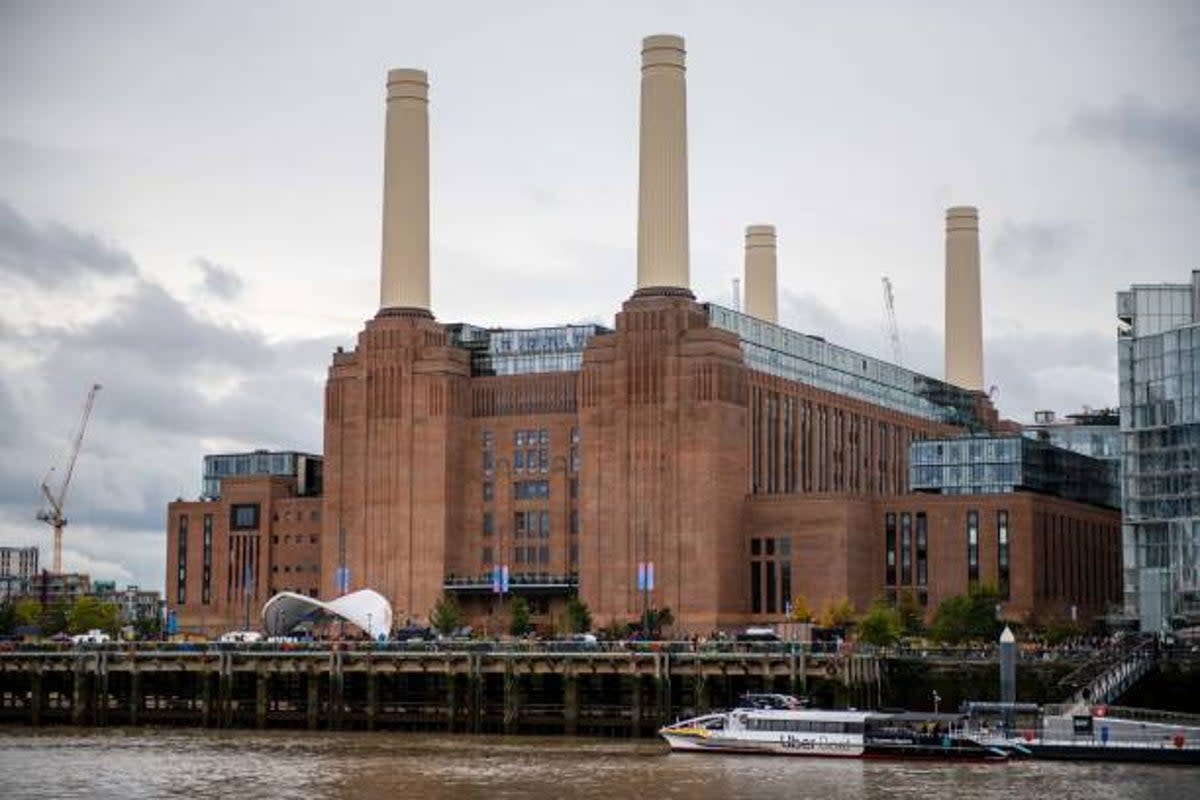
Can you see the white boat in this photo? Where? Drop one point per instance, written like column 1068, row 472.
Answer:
column 838, row 734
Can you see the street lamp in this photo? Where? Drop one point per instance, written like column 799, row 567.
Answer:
column 937, row 698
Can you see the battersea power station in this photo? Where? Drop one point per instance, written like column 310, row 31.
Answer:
column 691, row 457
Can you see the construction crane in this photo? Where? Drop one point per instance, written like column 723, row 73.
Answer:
column 54, row 515
column 889, row 303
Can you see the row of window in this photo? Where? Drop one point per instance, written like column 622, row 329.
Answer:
column 530, row 555
column 297, row 538
column 771, row 579
column 181, row 554
column 907, row 551
column 802, row 725
column 290, row 568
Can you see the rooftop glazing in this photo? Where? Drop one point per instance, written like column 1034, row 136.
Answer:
column 813, row 361
column 522, row 351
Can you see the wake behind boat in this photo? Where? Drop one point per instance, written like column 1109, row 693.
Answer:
column 768, row 728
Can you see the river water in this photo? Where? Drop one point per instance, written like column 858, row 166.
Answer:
column 137, row 763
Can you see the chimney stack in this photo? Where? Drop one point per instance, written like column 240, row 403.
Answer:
column 964, row 324
column 762, row 298
column 662, row 169
column 404, row 273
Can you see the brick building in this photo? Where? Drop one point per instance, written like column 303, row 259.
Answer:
column 692, row 457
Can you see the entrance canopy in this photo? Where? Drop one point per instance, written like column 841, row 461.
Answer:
column 366, row 609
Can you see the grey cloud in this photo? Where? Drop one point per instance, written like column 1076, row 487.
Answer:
column 173, row 382
column 1167, row 135
column 220, row 281
column 51, row 254
column 1030, row 369
column 1033, row 247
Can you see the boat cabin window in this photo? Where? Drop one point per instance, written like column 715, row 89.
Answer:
column 717, row 724
column 802, row 725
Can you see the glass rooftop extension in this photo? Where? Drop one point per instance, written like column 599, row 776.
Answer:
column 814, row 361
column 523, row 351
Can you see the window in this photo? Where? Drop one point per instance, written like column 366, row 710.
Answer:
column 1002, row 554
column 906, row 548
column 973, row 547
column 531, row 490
column 922, row 549
column 889, row 527
column 243, row 516
column 489, row 524
column 206, row 577
column 489, row 491
column 771, row 604
column 755, row 547
column 544, row 527
column 488, row 556
column 574, row 550
column 755, row 588
column 574, row 522
column 181, row 555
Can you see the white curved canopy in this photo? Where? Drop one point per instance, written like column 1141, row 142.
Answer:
column 366, row 609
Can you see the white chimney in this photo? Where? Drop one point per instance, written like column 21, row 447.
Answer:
column 964, row 323
column 404, row 273
column 762, row 299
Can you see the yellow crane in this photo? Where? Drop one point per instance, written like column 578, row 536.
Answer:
column 53, row 515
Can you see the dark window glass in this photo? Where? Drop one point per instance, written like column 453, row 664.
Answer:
column 785, row 584
column 770, row 547
column 755, row 588
column 889, row 527
column 489, row 491
column 574, row 554
column 489, row 524
column 906, row 548
column 755, row 547
column 772, row 607
column 543, row 555
column 922, row 549
column 243, row 516
column 785, row 546
column 574, row 521
column 181, row 555
column 206, row 578
column 973, row 547
column 1002, row 554
column 487, row 556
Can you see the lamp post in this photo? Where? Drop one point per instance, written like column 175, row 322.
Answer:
column 937, row 698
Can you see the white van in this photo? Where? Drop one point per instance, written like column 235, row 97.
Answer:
column 240, row 637
column 94, row 636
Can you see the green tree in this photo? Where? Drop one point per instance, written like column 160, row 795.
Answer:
column 27, row 612
column 881, row 625
column 912, row 615
column 654, row 620
column 447, row 616
column 519, row 623
column 579, row 616
column 969, row 617
column 89, row 613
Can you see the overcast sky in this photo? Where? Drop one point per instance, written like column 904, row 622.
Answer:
column 190, row 199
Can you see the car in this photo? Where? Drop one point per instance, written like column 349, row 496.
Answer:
column 94, row 636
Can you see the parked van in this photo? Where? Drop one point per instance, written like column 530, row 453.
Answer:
column 94, row 636
column 240, row 637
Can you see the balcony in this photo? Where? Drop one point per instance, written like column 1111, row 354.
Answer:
column 518, row 583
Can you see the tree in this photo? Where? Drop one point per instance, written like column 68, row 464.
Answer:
column 518, row 617
column 912, row 615
column 800, row 609
column 837, row 613
column 579, row 616
column 969, row 617
column 881, row 625
column 8, row 617
column 446, row 617
column 27, row 612
column 89, row 613
column 654, row 620
column 53, row 618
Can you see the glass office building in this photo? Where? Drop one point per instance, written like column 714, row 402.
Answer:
column 1159, row 363
column 973, row 465
column 1095, row 433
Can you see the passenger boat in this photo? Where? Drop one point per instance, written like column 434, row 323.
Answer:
column 789, row 729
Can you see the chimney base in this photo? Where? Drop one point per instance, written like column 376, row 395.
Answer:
column 404, row 311
column 664, row 291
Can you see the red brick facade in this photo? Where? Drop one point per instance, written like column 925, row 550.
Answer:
column 665, row 447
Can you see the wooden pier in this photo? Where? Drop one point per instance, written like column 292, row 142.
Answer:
column 587, row 693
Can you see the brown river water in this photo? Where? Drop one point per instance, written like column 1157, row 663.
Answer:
column 236, row 765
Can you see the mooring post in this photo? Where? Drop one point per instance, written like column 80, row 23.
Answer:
column 313, row 687
column 100, row 695
column 225, row 691
column 512, row 697
column 635, row 702
column 570, row 700
column 79, row 692
column 372, row 692
column 135, row 692
column 700, row 692
column 35, row 696
column 475, row 692
column 260, row 696
column 205, row 694
column 336, row 691
column 451, row 694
